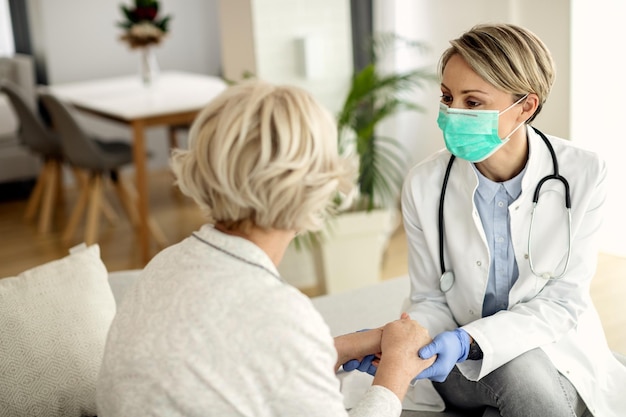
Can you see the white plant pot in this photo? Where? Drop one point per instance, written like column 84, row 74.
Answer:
column 350, row 255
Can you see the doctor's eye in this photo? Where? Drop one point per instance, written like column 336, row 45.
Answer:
column 446, row 99
column 471, row 104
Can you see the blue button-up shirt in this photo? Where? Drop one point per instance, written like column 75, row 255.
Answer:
column 492, row 200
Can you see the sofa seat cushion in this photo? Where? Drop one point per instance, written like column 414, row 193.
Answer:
column 54, row 319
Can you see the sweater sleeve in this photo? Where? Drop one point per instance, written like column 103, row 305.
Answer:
column 378, row 401
column 304, row 377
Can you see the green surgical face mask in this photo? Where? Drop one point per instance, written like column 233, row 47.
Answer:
column 472, row 134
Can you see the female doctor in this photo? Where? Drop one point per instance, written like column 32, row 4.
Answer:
column 502, row 232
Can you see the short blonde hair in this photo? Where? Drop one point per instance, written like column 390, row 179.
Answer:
column 263, row 155
column 507, row 56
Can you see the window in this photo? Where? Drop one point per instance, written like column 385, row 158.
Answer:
column 7, row 46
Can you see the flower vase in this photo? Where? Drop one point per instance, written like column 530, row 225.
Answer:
column 148, row 66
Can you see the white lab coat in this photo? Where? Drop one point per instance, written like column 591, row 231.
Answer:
column 556, row 315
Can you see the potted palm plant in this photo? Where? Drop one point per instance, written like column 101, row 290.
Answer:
column 349, row 252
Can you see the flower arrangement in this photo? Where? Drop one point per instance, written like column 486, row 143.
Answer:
column 142, row 26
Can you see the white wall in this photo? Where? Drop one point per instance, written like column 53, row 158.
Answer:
column 597, row 110
column 264, row 37
column 299, row 42
column 79, row 40
column 279, row 24
column 436, row 22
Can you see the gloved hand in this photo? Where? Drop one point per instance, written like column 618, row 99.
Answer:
column 450, row 347
column 365, row 365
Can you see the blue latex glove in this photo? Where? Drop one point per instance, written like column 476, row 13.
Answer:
column 365, row 365
column 450, row 347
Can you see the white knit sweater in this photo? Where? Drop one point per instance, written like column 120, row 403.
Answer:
column 210, row 330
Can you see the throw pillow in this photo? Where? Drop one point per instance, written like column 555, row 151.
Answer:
column 54, row 319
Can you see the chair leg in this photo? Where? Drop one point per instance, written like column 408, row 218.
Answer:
column 153, row 226
column 107, row 210
column 127, row 200
column 81, row 177
column 35, row 196
column 95, row 206
column 60, row 194
column 157, row 233
column 47, row 206
column 77, row 212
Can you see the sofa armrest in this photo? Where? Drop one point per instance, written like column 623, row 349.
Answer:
column 121, row 281
column 20, row 69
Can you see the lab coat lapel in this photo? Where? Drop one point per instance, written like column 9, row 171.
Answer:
column 549, row 229
column 465, row 245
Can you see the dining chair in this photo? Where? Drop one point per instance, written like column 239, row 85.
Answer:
column 100, row 159
column 39, row 139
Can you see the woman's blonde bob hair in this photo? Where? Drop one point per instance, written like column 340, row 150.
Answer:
column 507, row 56
column 263, row 155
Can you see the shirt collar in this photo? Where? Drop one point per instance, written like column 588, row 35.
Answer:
column 488, row 188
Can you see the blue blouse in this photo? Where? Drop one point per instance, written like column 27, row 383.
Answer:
column 492, row 201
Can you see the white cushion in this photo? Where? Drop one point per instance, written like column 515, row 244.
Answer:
column 54, row 319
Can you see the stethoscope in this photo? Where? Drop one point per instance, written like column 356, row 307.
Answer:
column 447, row 277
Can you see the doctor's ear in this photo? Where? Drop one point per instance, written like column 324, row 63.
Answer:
column 530, row 105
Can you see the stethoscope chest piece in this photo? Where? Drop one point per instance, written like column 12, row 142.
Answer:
column 446, row 281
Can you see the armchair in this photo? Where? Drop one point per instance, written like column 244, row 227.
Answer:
column 40, row 140
column 17, row 163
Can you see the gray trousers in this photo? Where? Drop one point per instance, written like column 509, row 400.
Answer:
column 527, row 386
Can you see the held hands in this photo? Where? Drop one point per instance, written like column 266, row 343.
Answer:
column 450, row 347
column 400, row 336
column 368, row 363
column 398, row 362
column 358, row 350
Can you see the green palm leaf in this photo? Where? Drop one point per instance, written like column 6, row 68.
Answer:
column 372, row 98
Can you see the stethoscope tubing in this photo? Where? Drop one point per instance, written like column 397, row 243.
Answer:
column 444, row 186
column 446, row 281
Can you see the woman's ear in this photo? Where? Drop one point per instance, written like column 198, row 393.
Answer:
column 529, row 106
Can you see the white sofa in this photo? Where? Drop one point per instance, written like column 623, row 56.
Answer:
column 54, row 319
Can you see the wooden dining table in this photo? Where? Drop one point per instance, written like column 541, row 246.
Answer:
column 174, row 99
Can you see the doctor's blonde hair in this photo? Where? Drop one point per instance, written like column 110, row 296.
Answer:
column 507, row 56
column 263, row 155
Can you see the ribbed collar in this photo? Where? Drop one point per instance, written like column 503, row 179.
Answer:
column 237, row 247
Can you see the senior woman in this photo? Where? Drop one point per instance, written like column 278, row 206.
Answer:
column 210, row 328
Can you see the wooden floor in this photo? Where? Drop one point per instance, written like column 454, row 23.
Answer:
column 22, row 248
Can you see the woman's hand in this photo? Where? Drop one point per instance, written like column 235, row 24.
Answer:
column 358, row 346
column 399, row 362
